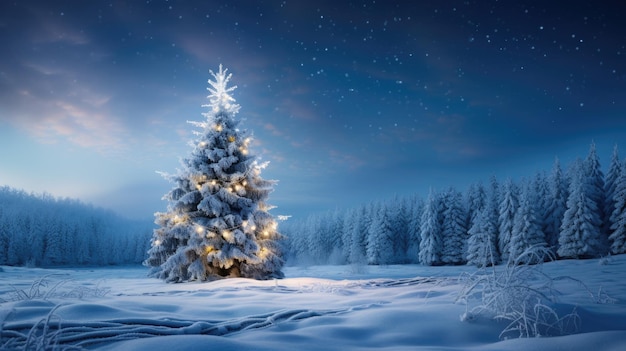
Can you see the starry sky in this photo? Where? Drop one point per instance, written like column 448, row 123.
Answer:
column 350, row 101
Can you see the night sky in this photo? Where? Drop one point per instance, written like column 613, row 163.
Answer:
column 350, row 101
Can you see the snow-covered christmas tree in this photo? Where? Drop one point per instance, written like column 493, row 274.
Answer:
column 581, row 235
column 217, row 222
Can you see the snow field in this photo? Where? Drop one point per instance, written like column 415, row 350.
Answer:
column 404, row 307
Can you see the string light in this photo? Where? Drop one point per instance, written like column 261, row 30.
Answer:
column 226, row 234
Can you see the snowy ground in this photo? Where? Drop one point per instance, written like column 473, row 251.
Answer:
column 316, row 308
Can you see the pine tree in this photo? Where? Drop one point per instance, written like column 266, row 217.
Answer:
column 430, row 231
column 493, row 202
column 217, row 223
column 454, row 232
column 542, row 198
column 557, row 204
column 618, row 217
column 595, row 184
column 416, row 209
column 482, row 248
column 581, row 236
column 527, row 231
column 334, row 234
column 349, row 222
column 614, row 172
column 358, row 254
column 399, row 216
column 476, row 201
column 508, row 208
column 380, row 238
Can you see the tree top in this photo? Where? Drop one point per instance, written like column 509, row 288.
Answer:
column 220, row 98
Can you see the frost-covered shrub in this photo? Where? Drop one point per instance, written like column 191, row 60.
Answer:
column 53, row 286
column 521, row 295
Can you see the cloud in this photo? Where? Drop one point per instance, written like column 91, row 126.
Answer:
column 50, row 105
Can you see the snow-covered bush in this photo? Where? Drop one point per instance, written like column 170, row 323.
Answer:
column 520, row 294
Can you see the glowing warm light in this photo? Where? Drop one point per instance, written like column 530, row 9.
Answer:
column 244, row 183
column 253, row 228
column 208, row 249
column 157, row 242
column 213, row 182
column 199, row 229
column 218, row 127
column 231, row 138
column 265, row 233
column 226, row 234
column 243, row 150
column 202, row 144
column 179, row 219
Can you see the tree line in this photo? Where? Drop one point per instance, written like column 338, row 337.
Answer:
column 41, row 230
column 576, row 213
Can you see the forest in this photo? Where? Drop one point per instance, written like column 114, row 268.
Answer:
column 41, row 230
column 576, row 213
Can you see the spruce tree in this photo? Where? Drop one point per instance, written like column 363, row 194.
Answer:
column 581, row 236
column 614, row 172
column 454, row 232
column 217, row 222
column 417, row 207
column 476, row 201
column 358, row 253
column 557, row 204
column 595, row 184
column 618, row 217
column 527, row 231
column 482, row 248
column 399, row 216
column 349, row 222
column 431, row 244
column 508, row 207
column 380, row 237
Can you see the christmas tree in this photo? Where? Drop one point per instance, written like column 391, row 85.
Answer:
column 217, row 222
